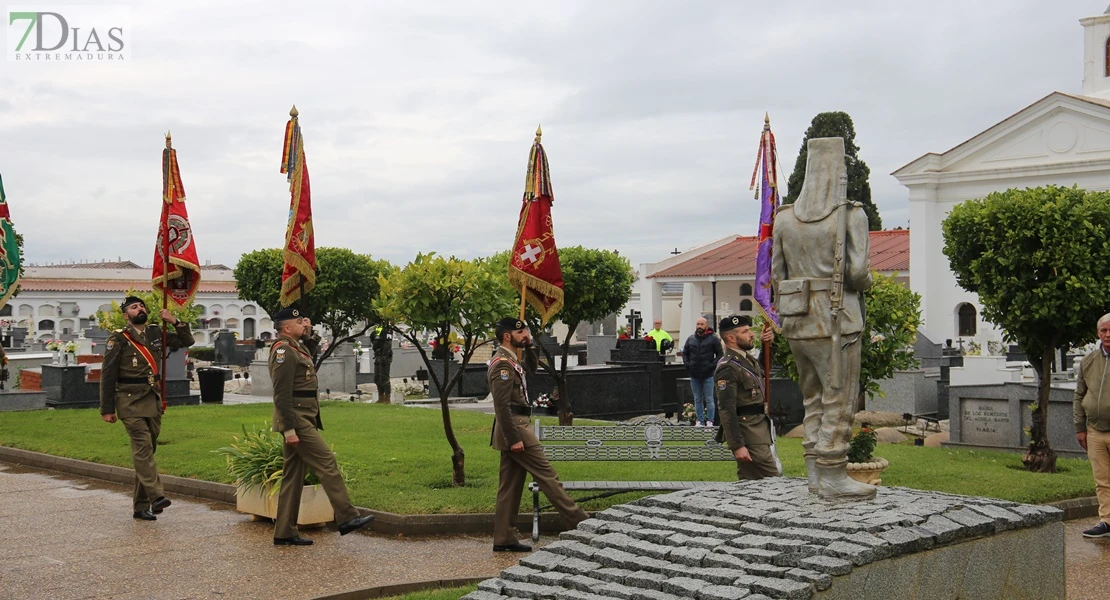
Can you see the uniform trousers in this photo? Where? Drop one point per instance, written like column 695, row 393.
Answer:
column 764, row 463
column 143, row 432
column 312, row 452
column 514, row 467
column 828, row 420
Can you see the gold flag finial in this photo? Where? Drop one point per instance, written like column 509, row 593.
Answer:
column 293, row 111
column 767, row 118
column 539, row 132
column 168, row 143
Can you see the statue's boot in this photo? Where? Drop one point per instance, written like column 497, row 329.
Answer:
column 834, row 484
column 811, row 473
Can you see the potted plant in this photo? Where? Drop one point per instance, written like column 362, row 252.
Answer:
column 862, row 466
column 255, row 460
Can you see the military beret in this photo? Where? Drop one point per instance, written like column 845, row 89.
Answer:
column 511, row 324
column 286, row 314
column 734, row 322
column 128, row 301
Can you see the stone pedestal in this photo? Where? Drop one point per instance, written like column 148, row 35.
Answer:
column 770, row 539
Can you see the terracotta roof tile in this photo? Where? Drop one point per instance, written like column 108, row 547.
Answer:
column 890, row 251
column 106, row 285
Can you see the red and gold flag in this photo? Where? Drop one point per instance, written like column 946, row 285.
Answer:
column 176, row 272
column 534, row 266
column 298, row 276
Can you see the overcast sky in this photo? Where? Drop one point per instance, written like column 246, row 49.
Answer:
column 418, row 116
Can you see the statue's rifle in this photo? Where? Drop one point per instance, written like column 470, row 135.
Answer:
column 836, row 301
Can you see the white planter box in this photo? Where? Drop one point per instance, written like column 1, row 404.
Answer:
column 315, row 507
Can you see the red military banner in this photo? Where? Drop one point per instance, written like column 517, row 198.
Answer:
column 176, row 271
column 534, row 265
column 298, row 276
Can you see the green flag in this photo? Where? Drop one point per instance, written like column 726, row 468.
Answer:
column 9, row 252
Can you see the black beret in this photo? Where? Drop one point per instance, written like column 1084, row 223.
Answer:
column 734, row 322
column 128, row 301
column 511, row 324
column 286, row 314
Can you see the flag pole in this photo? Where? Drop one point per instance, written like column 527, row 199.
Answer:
column 523, row 297
column 167, row 183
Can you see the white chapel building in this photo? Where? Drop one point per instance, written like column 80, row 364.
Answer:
column 1062, row 139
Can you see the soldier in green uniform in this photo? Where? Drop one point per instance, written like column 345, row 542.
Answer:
column 130, row 392
column 740, row 400
column 521, row 452
column 297, row 417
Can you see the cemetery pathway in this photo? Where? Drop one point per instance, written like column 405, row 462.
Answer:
column 68, row 537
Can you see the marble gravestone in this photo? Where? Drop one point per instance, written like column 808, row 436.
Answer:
column 771, row 539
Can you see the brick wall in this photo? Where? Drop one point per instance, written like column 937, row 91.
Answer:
column 30, row 380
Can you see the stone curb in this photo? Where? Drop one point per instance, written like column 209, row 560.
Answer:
column 401, row 588
column 384, row 522
column 1077, row 508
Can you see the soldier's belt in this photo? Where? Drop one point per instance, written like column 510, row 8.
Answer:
column 304, row 394
column 750, row 409
column 523, row 411
column 149, row 380
column 820, row 285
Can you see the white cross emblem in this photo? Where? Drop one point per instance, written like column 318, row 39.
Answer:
column 531, row 253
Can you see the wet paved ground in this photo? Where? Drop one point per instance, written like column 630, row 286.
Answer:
column 67, row 537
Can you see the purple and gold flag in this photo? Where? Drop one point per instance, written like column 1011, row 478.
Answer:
column 766, row 170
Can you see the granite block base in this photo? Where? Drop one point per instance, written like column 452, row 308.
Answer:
column 770, row 539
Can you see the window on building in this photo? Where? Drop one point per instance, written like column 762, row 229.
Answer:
column 1107, row 71
column 46, row 325
column 967, row 316
column 746, row 290
column 745, row 305
column 6, row 311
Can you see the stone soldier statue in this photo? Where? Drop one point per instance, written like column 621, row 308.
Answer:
column 297, row 417
column 820, row 267
column 741, row 403
column 130, row 391
column 521, row 452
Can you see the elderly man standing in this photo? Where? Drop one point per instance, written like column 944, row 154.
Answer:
column 660, row 335
column 1091, row 409
column 130, row 391
column 297, row 417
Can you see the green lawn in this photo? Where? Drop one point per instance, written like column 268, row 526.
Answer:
column 440, row 594
column 400, row 461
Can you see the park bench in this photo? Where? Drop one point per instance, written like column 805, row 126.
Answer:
column 653, row 441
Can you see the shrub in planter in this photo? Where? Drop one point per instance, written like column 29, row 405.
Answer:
column 255, row 459
column 205, row 353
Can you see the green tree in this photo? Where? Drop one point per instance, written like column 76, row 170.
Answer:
column 837, row 124
column 596, row 284
column 1038, row 258
column 459, row 301
column 893, row 316
column 342, row 301
column 114, row 319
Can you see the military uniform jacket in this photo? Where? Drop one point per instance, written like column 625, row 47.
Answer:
column 806, row 250
column 128, row 384
column 295, row 385
column 506, row 383
column 739, row 381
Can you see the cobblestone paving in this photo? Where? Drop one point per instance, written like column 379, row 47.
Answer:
column 757, row 540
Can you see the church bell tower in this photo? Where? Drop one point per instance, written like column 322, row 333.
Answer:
column 1096, row 55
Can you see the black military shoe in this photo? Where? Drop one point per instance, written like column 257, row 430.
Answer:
column 517, row 547
column 159, row 505
column 355, row 524
column 293, row 541
column 145, row 515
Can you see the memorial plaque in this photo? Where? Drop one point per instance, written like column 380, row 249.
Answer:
column 985, row 422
